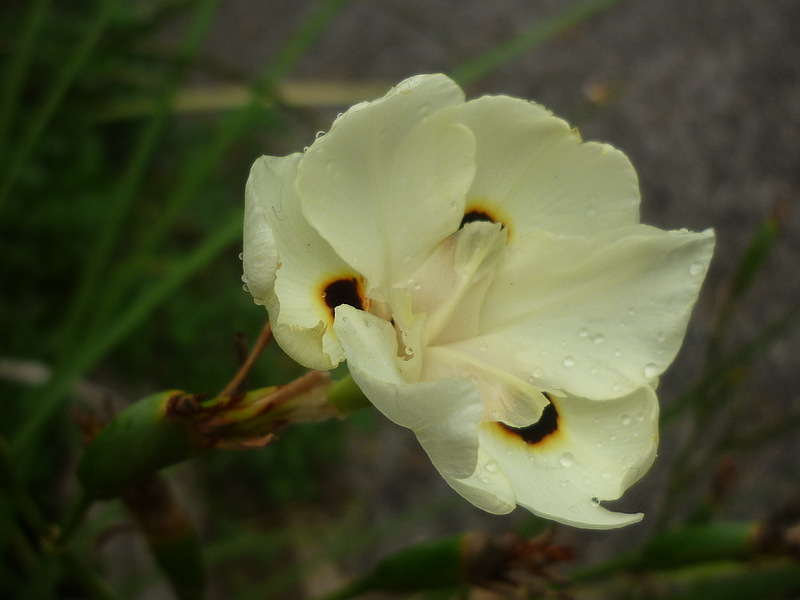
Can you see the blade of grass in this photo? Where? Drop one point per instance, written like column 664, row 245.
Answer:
column 495, row 58
column 82, row 358
column 197, row 171
column 72, row 66
column 18, row 65
column 125, row 193
column 141, row 307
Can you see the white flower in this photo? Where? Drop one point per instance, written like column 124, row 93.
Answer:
column 485, row 275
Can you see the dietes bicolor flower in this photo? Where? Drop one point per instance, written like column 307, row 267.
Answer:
column 485, row 275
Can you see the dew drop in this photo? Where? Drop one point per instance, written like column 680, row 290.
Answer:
column 651, row 370
column 492, row 466
column 409, row 351
column 598, row 338
column 617, row 387
column 696, row 268
column 595, row 502
column 631, row 312
column 245, row 288
column 319, row 134
column 569, row 362
column 305, row 148
column 626, row 420
column 483, row 479
column 627, row 460
column 640, row 416
column 241, row 255
column 662, row 337
column 583, row 332
column 244, row 278
column 566, row 459
column 618, row 353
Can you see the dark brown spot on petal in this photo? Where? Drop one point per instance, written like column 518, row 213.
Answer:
column 536, row 432
column 476, row 215
column 345, row 290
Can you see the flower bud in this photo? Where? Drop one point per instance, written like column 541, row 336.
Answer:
column 141, row 440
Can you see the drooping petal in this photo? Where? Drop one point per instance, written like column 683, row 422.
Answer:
column 444, row 414
column 533, row 172
column 288, row 266
column 601, row 316
column 387, row 183
column 596, row 451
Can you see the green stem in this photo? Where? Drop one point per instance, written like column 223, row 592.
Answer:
column 346, row 396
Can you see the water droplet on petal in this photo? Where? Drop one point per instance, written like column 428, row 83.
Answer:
column 583, row 332
column 640, row 416
column 569, row 361
column 566, row 459
column 492, row 466
column 319, row 134
column 245, row 288
column 595, row 501
column 626, row 420
column 631, row 312
column 618, row 353
column 651, row 370
column 598, row 338
column 627, row 460
column 536, row 373
column 484, row 347
column 696, row 268
column 241, row 255
column 617, row 387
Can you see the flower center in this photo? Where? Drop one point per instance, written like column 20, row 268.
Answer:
column 541, row 429
column 344, row 290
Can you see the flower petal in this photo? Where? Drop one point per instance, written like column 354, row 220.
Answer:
column 600, row 316
column 387, row 183
column 597, row 451
column 444, row 414
column 533, row 172
column 287, row 264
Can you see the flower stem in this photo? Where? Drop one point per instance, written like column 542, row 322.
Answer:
column 346, row 396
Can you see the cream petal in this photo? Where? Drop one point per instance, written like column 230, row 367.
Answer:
column 600, row 316
column 443, row 414
column 387, row 183
column 287, row 264
column 449, row 286
column 533, row 172
column 597, row 451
